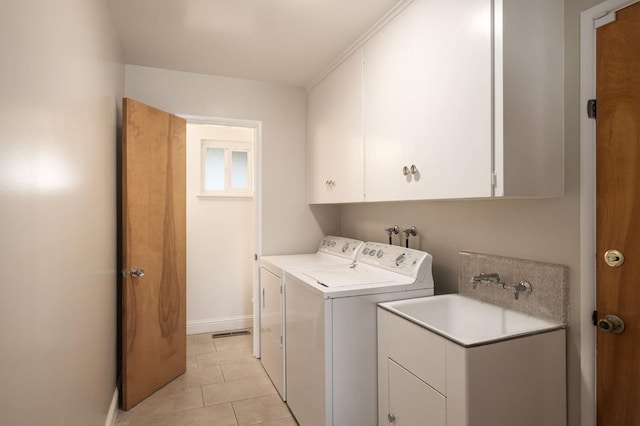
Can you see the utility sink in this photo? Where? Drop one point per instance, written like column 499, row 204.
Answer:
column 452, row 360
column 468, row 322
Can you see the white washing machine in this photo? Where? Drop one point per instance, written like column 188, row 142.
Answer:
column 331, row 252
column 331, row 347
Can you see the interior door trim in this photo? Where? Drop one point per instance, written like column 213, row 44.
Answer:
column 588, row 206
column 257, row 204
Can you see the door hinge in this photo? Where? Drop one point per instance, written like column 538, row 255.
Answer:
column 255, row 256
column 494, row 179
column 591, row 108
column 280, row 289
column 594, row 318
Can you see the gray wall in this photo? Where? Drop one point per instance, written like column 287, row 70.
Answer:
column 61, row 81
column 538, row 229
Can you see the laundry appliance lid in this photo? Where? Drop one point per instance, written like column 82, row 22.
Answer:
column 355, row 276
column 332, row 251
column 277, row 264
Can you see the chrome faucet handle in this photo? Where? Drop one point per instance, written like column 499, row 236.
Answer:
column 522, row 287
column 410, row 231
column 393, row 230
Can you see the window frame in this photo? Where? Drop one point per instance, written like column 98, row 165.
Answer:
column 229, row 147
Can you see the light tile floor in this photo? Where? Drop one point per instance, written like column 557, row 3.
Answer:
column 223, row 385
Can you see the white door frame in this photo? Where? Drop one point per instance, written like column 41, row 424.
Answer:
column 257, row 206
column 588, row 204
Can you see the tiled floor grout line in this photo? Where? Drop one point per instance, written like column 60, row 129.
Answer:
column 235, row 413
column 224, row 379
column 202, row 396
column 235, row 372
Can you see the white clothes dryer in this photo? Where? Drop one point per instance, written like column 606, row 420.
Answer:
column 331, row 349
column 332, row 251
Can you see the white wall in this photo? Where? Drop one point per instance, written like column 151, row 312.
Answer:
column 289, row 225
column 541, row 229
column 219, row 245
column 61, row 81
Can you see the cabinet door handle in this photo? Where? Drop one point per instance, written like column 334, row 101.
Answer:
column 405, row 171
column 413, row 169
column 391, row 418
column 263, row 297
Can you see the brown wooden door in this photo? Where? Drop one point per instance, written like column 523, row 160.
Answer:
column 154, row 239
column 618, row 216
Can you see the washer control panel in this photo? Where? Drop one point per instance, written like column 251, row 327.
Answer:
column 340, row 246
column 398, row 259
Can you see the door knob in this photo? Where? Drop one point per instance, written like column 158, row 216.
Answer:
column 391, row 418
column 614, row 258
column 611, row 324
column 137, row 272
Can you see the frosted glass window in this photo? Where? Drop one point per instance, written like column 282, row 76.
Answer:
column 227, row 168
column 239, row 170
column 214, row 169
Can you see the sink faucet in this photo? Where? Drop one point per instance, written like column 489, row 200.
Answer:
column 490, row 279
column 494, row 280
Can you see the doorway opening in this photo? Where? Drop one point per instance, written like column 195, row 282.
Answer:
column 223, row 226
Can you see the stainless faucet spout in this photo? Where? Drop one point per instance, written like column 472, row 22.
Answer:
column 493, row 279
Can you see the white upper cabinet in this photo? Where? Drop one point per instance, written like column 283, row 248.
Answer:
column 529, row 98
column 334, row 136
column 448, row 100
column 427, row 103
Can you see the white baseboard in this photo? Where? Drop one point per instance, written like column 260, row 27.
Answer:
column 219, row 324
column 113, row 410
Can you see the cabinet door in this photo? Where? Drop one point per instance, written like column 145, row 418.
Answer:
column 529, row 98
column 334, row 136
column 428, row 101
column 412, row 402
column 271, row 339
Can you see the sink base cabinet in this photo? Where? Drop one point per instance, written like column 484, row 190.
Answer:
column 514, row 382
column 413, row 401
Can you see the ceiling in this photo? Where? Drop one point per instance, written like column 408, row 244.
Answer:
column 283, row 41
